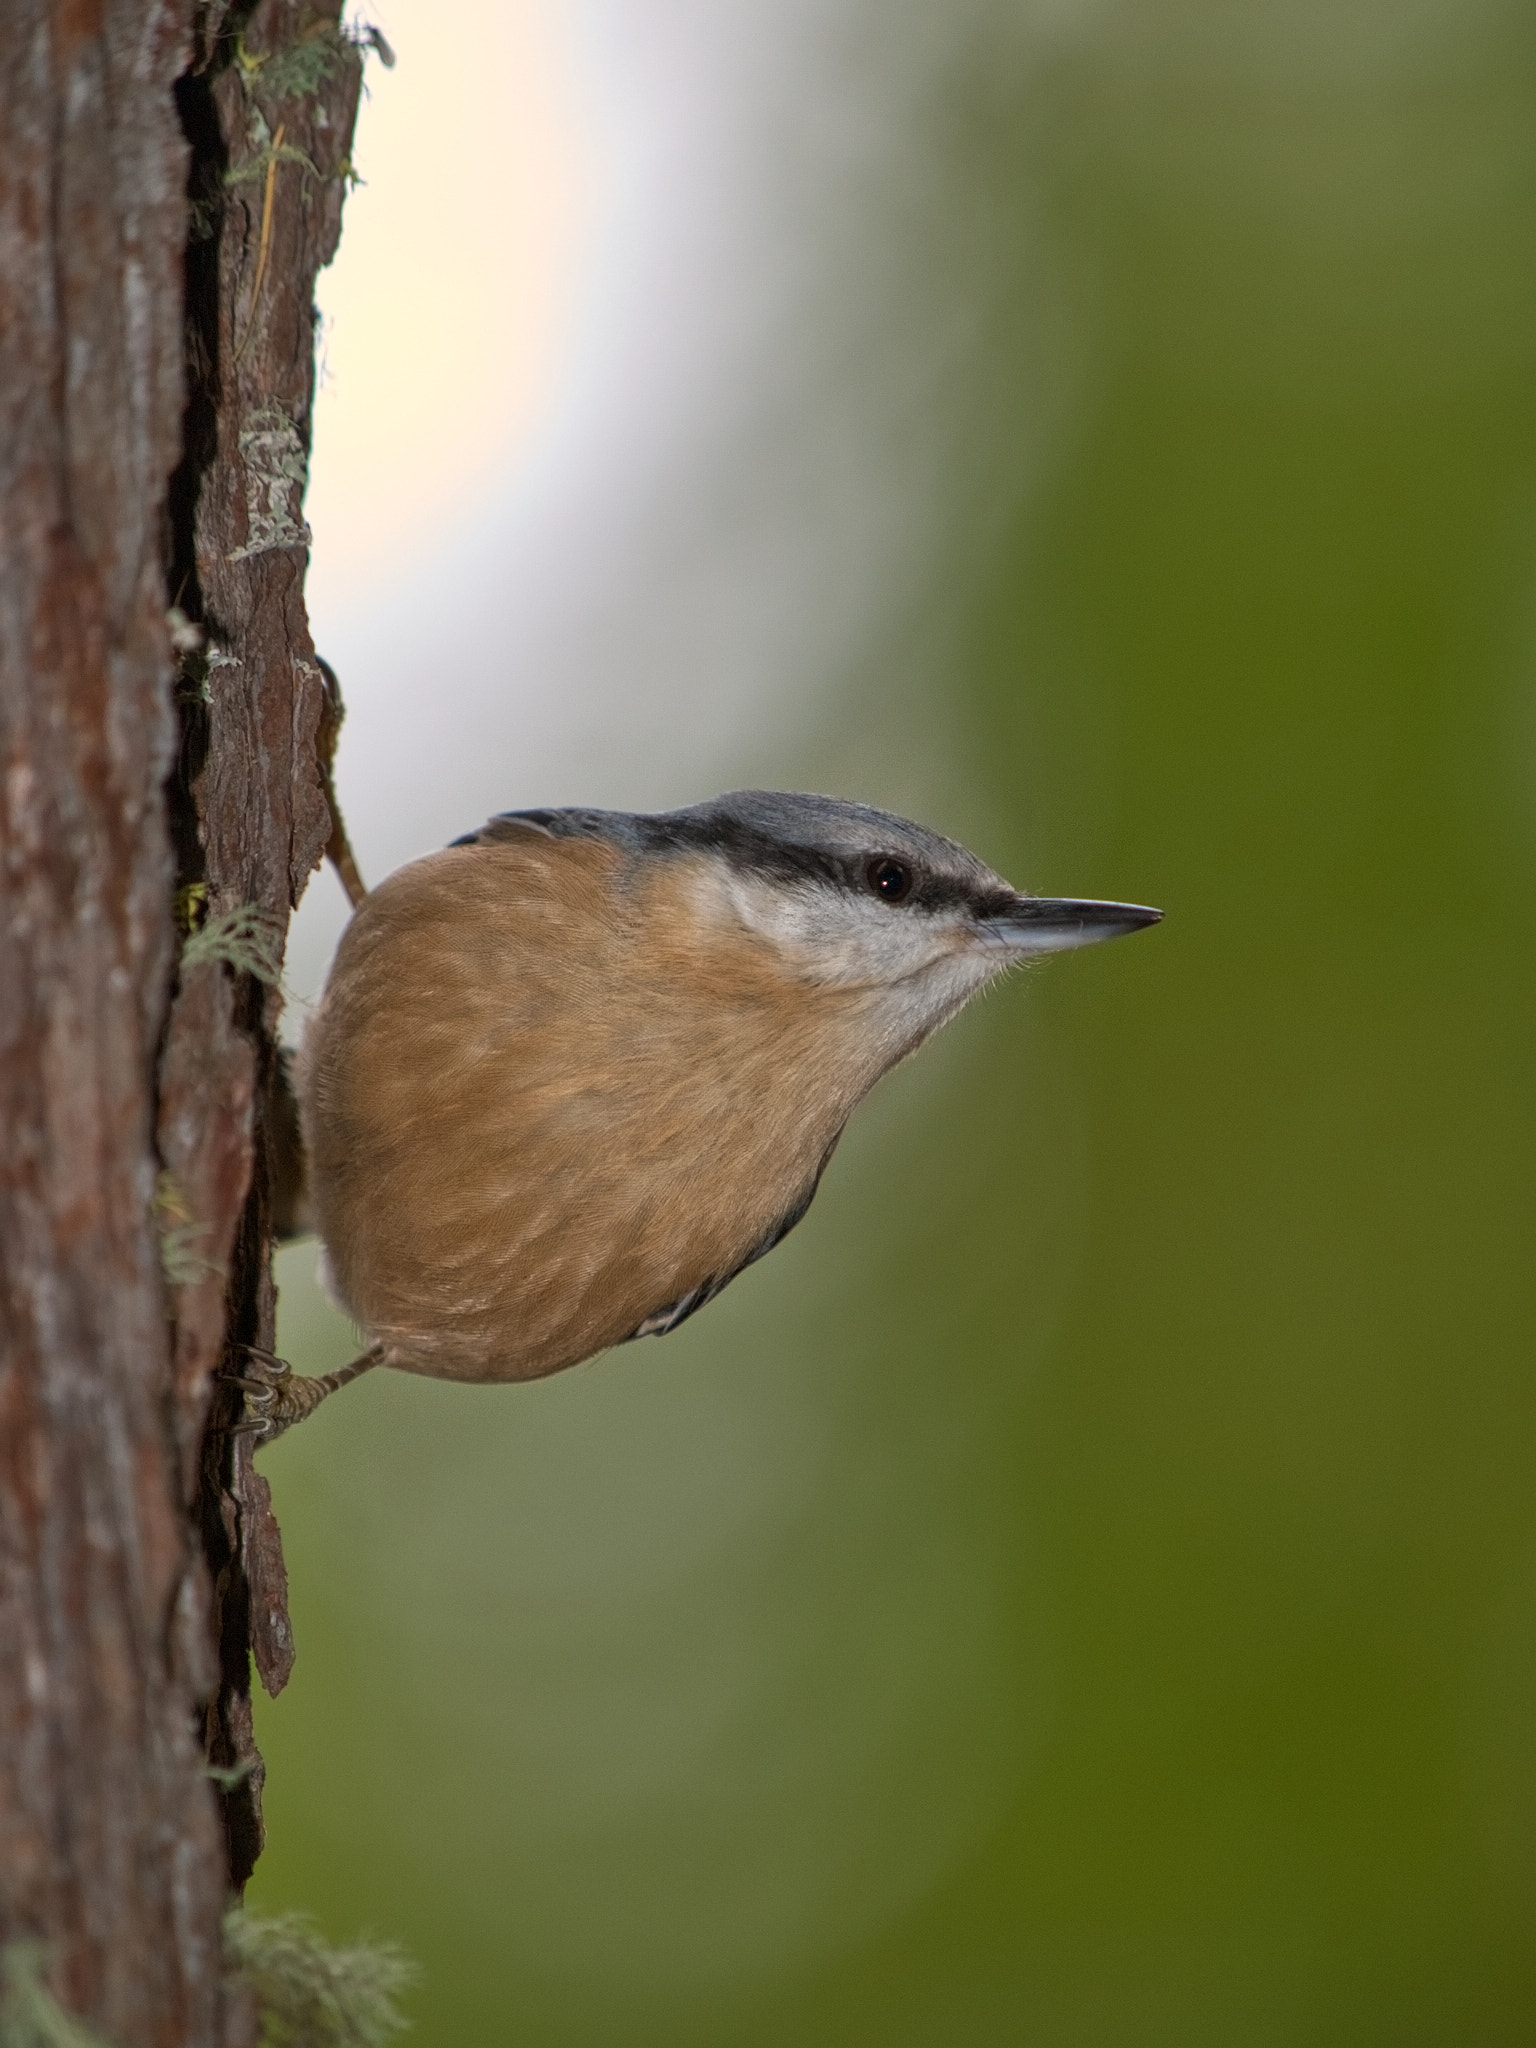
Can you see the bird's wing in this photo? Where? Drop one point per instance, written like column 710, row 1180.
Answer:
column 664, row 1319
column 510, row 826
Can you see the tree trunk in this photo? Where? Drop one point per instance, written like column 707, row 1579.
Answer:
column 171, row 181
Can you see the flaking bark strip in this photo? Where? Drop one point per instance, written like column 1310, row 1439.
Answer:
column 268, row 109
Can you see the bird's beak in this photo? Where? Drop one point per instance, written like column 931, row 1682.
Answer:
column 1056, row 924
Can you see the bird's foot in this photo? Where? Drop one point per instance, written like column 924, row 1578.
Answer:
column 276, row 1397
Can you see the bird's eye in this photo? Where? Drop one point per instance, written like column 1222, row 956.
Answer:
column 890, row 879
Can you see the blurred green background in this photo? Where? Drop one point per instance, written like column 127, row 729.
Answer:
column 1082, row 1588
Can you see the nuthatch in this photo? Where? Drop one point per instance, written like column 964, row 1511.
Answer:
column 573, row 1073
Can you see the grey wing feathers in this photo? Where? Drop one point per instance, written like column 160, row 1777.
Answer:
column 549, row 824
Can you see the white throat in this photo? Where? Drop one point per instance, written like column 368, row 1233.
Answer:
column 918, row 966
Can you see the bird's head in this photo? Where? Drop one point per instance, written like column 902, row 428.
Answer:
column 844, row 897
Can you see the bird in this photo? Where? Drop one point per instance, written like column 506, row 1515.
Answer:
column 573, row 1073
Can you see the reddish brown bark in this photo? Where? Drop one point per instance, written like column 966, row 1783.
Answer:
column 139, row 797
column 269, row 106
column 109, row 1845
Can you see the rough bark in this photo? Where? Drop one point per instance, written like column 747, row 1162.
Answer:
column 109, row 1845
column 268, row 107
column 171, row 181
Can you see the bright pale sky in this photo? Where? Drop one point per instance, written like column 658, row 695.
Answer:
column 604, row 497
column 451, row 305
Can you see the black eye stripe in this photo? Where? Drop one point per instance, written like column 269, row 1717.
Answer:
column 932, row 885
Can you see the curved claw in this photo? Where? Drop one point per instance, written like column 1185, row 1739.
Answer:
column 281, row 1397
column 274, row 1368
column 264, row 1388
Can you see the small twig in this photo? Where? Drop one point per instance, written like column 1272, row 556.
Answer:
column 338, row 849
column 339, row 853
column 263, row 247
